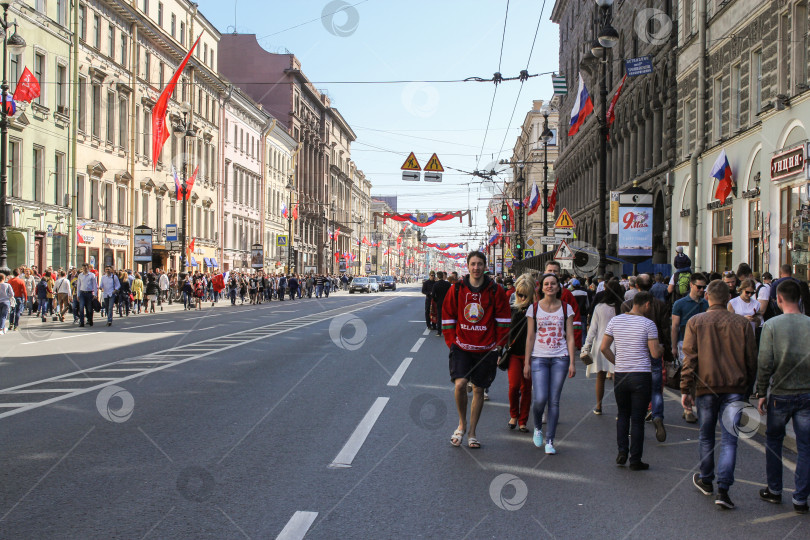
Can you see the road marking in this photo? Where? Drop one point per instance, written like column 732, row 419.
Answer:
column 298, row 526
column 346, row 455
column 182, row 354
column 767, row 519
column 397, row 376
column 418, row 344
column 418, row 321
column 44, row 391
column 84, row 379
column 145, row 325
column 58, row 338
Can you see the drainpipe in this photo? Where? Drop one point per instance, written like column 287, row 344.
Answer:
column 133, row 84
column 701, row 134
column 263, row 179
column 72, row 181
column 221, row 188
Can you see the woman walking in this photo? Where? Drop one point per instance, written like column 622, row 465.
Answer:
column 520, row 387
column 549, row 356
column 6, row 298
column 746, row 303
column 152, row 290
column 609, row 307
column 124, row 294
column 137, row 292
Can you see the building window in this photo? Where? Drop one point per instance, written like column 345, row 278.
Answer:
column 789, row 203
column 41, row 7
column 145, row 207
column 159, row 213
column 124, row 49
column 146, row 7
column 59, row 180
column 96, row 31
column 736, row 98
column 160, row 14
column 108, row 202
column 83, row 23
column 38, row 173
column 61, row 89
column 81, row 193
column 755, row 235
column 161, row 74
column 137, row 127
column 147, row 67
column 687, row 118
column 95, row 111
column 110, row 117
column 173, row 24
column 82, row 99
column 14, row 168
column 123, row 121
column 783, row 55
column 722, row 224
column 122, row 205
column 111, row 41
column 756, row 83
column 182, row 33
column 39, row 73
column 61, row 12
column 147, row 133
column 800, row 45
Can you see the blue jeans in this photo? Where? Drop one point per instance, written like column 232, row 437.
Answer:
column 657, row 400
column 16, row 312
column 4, row 311
column 43, row 307
column 632, row 391
column 85, row 305
column 318, row 291
column 782, row 409
column 710, row 409
column 109, row 303
column 548, row 376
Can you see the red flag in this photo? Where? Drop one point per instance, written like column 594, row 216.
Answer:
column 512, row 215
column 295, row 211
column 552, row 199
column 27, row 87
column 611, row 112
column 160, row 133
column 191, row 246
column 190, row 182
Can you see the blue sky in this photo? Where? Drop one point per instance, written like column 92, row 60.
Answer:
column 384, row 40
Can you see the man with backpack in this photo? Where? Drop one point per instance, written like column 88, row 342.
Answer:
column 475, row 322
column 773, row 309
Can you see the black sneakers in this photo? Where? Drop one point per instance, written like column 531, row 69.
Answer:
column 723, row 500
column 621, row 459
column 705, row 487
column 639, row 466
column 800, row 508
column 766, row 495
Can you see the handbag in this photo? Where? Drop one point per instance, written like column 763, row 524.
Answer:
column 96, row 304
column 503, row 359
column 585, row 356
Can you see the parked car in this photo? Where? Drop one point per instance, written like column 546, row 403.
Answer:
column 388, row 282
column 360, row 284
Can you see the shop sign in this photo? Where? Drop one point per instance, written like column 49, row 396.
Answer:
column 788, row 163
column 116, row 241
column 87, row 238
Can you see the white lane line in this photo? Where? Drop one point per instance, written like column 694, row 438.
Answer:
column 418, row 344
column 58, row 338
column 418, row 321
column 298, row 526
column 84, row 379
column 145, row 325
column 14, row 405
column 426, row 332
column 397, row 376
column 346, row 455
column 41, row 391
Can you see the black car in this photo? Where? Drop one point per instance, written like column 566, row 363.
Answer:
column 360, row 284
column 388, row 282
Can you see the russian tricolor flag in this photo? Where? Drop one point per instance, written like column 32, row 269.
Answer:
column 583, row 106
column 534, row 200
column 722, row 171
column 494, row 239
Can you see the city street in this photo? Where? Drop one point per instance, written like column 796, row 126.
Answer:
column 325, row 419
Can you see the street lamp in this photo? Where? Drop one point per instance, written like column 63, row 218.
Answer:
column 183, row 130
column 289, row 187
column 333, row 237
column 505, row 222
column 546, row 136
column 519, row 183
column 15, row 45
column 608, row 38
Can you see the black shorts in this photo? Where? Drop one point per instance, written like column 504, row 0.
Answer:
column 479, row 369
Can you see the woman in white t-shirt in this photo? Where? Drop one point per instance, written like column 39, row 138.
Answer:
column 746, row 304
column 549, row 356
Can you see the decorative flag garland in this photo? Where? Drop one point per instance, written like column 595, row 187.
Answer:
column 444, row 247
column 422, row 219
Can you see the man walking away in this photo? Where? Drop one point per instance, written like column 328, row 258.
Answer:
column 475, row 320
column 427, row 290
column 719, row 364
column 87, row 287
column 785, row 274
column 636, row 340
column 682, row 310
column 659, row 289
column 784, row 371
column 20, row 297
column 440, row 288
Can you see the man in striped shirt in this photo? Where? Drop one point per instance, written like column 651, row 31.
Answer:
column 636, row 339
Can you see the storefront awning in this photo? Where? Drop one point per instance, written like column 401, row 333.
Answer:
column 214, row 263
column 207, row 261
column 193, row 262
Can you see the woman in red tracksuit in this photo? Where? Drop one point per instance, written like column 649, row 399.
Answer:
column 520, row 387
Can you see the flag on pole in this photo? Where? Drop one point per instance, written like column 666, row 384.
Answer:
column 494, row 239
column 160, row 132
column 190, row 248
column 517, row 203
column 27, row 87
column 534, row 200
column 10, row 105
column 512, row 216
column 611, row 112
column 284, row 210
column 583, row 106
column 295, row 211
column 552, row 199
column 177, row 186
column 722, row 171
column 190, row 182
column 560, row 85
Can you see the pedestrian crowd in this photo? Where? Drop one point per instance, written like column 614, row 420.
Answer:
column 722, row 340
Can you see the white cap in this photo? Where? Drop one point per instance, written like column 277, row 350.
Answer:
column 679, row 249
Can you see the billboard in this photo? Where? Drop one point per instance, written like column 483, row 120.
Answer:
column 143, row 244
column 635, row 231
column 257, row 257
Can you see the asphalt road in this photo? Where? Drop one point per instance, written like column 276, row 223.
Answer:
column 308, row 419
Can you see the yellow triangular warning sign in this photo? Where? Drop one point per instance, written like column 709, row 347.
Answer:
column 434, row 164
column 563, row 252
column 564, row 221
column 508, row 254
column 411, row 164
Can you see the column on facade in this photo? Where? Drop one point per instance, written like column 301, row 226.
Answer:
column 630, row 154
column 648, row 139
column 658, row 112
column 639, row 149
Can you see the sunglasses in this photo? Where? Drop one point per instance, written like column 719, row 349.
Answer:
column 520, row 295
column 700, row 287
column 749, row 292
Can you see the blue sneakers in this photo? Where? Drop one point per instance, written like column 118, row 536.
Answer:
column 550, row 448
column 538, row 438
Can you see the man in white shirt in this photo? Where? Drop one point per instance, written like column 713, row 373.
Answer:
column 109, row 288
column 87, row 288
column 63, row 296
column 163, row 284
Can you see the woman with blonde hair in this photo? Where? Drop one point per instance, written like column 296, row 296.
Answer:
column 137, row 292
column 520, row 387
column 746, row 303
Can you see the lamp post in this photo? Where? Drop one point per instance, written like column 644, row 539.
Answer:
column 184, row 129
column 519, row 183
column 608, row 38
column 289, row 187
column 505, row 221
column 547, row 135
column 332, row 255
column 14, row 44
